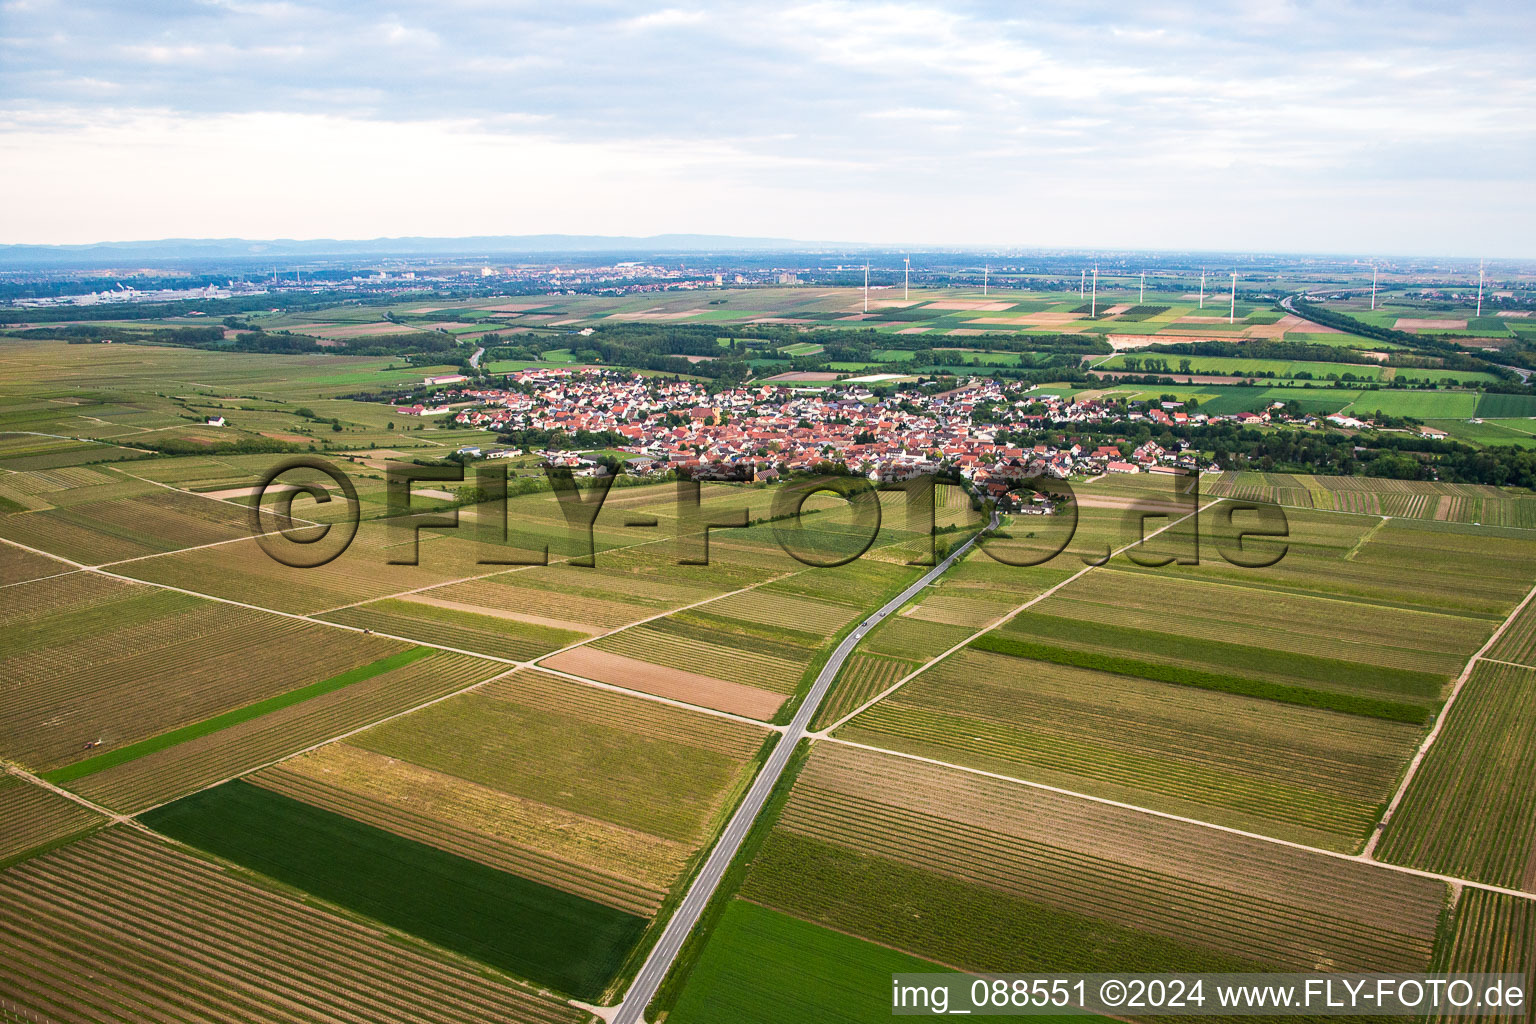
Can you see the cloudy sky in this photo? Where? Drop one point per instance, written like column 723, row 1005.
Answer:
column 1336, row 127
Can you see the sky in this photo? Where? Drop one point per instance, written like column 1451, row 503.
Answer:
column 1340, row 127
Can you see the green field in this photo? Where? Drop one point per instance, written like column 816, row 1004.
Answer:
column 508, row 922
column 764, row 967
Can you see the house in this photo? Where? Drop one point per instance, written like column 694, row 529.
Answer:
column 1432, row 432
column 1347, row 422
column 215, row 421
column 470, row 451
column 447, row 378
column 1122, row 467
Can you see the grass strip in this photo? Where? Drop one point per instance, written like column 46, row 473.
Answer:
column 1369, row 707
column 133, row 751
column 1236, row 658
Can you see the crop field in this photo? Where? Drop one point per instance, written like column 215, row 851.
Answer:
column 124, row 927
column 92, row 660
column 582, row 800
column 19, row 566
column 1284, row 701
column 205, row 759
column 496, row 635
column 37, row 819
column 764, row 967
column 512, row 735
column 1471, row 810
column 118, row 528
column 1494, row 934
column 751, row 649
column 1518, row 643
column 1404, row 499
column 1299, row 773
column 993, row 876
column 1318, row 624
column 1436, row 568
column 487, row 791
column 863, row 676
column 242, row 571
column 511, row 923
column 22, row 452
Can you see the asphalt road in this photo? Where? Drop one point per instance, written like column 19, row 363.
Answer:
column 643, row 990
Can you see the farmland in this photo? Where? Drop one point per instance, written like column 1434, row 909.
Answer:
column 37, row 819
column 1470, row 811
column 1401, row 499
column 480, row 786
column 995, row 876
column 750, row 650
column 1495, row 934
column 763, row 967
column 122, row 926
column 485, row 797
column 1285, row 703
column 519, row 926
column 173, row 660
column 278, row 731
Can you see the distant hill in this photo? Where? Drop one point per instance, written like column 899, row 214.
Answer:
column 319, row 248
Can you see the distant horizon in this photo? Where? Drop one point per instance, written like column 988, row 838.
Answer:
column 670, row 241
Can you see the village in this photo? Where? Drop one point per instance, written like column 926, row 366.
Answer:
column 760, row 432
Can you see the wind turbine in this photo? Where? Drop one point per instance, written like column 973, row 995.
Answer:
column 866, row 287
column 1082, row 284
column 1202, row 289
column 1480, row 287
column 986, row 269
column 906, row 277
column 1373, row 287
column 1093, row 310
column 1143, row 297
column 1232, row 313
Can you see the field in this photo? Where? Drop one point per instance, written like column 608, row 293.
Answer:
column 36, row 819
column 980, row 874
column 1493, row 934
column 209, row 756
column 750, row 650
column 124, row 927
column 486, row 797
column 470, row 772
column 516, row 925
column 172, row 661
column 1299, row 773
column 1285, row 702
column 1404, row 499
column 1471, row 811
column 763, row 967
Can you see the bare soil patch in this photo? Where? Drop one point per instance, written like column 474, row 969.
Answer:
column 1412, row 323
column 808, row 375
column 979, row 305
column 691, row 687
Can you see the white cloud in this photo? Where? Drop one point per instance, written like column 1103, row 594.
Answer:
column 825, row 118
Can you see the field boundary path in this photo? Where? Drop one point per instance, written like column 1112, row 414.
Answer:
column 664, row 953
